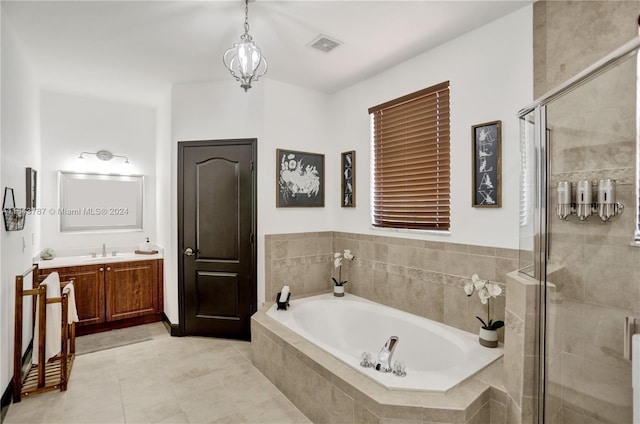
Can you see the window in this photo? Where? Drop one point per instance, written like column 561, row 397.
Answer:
column 411, row 166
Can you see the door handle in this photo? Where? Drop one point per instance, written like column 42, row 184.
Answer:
column 631, row 327
column 189, row 252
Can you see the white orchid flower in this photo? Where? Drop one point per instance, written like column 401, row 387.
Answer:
column 347, row 254
column 494, row 289
column 486, row 290
column 338, row 261
column 484, row 295
column 468, row 289
column 337, row 255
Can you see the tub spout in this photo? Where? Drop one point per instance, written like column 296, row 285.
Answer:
column 383, row 363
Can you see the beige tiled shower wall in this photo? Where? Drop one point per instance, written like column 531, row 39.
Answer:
column 592, row 137
column 421, row 277
column 519, row 348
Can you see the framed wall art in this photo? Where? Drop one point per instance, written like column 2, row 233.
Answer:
column 32, row 188
column 348, row 186
column 299, row 179
column 486, row 161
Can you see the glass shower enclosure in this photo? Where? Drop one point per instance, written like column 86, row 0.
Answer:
column 578, row 228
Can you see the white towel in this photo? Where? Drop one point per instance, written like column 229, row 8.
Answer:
column 54, row 321
column 72, row 311
column 284, row 294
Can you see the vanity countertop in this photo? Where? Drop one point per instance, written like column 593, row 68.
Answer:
column 63, row 261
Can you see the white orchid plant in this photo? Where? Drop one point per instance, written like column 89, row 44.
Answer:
column 337, row 262
column 486, row 290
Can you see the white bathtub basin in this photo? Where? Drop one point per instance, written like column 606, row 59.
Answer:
column 437, row 356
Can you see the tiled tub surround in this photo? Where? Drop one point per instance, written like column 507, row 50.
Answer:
column 519, row 347
column 420, row 277
column 329, row 391
column 424, row 278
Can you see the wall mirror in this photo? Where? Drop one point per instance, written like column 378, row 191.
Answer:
column 99, row 202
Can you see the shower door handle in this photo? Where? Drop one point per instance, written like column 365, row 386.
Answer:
column 631, row 327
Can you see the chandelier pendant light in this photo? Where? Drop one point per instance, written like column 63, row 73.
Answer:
column 244, row 60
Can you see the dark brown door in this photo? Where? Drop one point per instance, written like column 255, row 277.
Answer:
column 216, row 235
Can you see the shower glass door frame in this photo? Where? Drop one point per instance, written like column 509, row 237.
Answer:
column 541, row 208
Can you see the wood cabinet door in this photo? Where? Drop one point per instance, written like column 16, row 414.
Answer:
column 88, row 284
column 131, row 289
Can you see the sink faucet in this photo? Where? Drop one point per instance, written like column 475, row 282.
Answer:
column 383, row 363
column 104, row 250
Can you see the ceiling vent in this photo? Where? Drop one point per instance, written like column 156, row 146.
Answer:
column 324, row 43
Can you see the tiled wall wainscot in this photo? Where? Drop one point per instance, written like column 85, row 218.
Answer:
column 420, row 277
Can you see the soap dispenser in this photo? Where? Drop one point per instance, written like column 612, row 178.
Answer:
column 146, row 246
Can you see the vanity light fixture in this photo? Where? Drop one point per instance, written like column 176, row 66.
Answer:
column 105, row 156
column 244, row 60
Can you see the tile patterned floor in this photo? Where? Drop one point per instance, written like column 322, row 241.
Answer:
column 163, row 380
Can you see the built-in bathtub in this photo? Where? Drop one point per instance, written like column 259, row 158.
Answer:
column 437, row 357
column 312, row 354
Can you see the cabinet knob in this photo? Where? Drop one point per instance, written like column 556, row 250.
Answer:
column 189, row 251
column 108, row 268
column 101, row 269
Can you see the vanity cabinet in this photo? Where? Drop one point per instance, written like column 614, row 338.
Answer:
column 114, row 295
column 88, row 285
column 131, row 289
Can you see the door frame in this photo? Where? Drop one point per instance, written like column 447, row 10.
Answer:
column 182, row 145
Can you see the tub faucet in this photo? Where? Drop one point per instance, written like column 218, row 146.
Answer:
column 104, row 250
column 383, row 363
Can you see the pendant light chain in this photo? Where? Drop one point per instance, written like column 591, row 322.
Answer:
column 246, row 19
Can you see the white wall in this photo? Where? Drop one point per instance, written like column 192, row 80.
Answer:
column 19, row 148
column 205, row 111
column 72, row 124
column 491, row 75
column 165, row 214
column 280, row 116
column 490, row 70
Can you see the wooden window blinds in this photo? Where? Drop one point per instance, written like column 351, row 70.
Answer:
column 411, row 165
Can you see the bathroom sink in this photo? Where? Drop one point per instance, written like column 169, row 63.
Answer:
column 79, row 260
column 92, row 259
column 110, row 257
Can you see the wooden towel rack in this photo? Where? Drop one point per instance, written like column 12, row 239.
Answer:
column 49, row 375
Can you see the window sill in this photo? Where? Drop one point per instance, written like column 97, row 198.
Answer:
column 444, row 233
